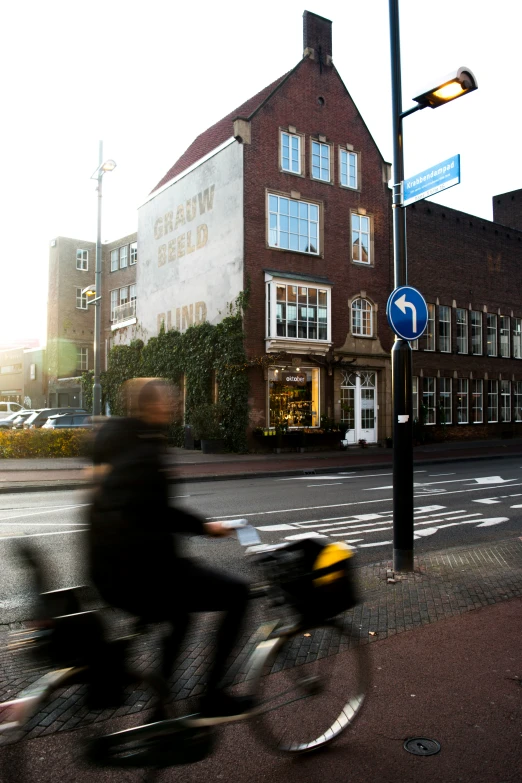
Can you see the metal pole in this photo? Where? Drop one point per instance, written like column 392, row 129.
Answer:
column 401, row 351
column 96, row 390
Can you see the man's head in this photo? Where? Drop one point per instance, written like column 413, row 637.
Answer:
column 149, row 399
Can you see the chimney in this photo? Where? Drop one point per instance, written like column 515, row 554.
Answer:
column 317, row 38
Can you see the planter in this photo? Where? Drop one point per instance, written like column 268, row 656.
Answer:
column 213, row 446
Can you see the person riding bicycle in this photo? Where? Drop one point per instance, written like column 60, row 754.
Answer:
column 134, row 558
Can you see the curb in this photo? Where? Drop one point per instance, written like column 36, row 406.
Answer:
column 198, row 478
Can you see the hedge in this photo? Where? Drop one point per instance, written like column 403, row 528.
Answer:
column 16, row 444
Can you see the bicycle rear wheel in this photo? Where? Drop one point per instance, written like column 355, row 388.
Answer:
column 311, row 687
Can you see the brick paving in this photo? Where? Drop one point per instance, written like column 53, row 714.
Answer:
column 443, row 585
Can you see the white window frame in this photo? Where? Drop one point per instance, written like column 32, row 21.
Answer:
column 271, row 310
column 115, row 259
column 477, row 395
column 318, row 150
column 517, row 337
column 461, row 317
column 124, row 294
column 360, row 226
column 462, row 401
column 292, row 138
column 505, row 336
column 82, row 259
column 82, row 359
column 348, row 162
column 477, row 331
column 517, row 401
column 492, row 401
column 133, row 253
column 362, row 311
column 491, row 335
column 505, row 400
column 429, row 389
column 280, row 226
column 444, row 329
column 430, row 329
column 445, row 396
column 132, row 292
column 124, row 256
column 115, row 300
column 81, row 299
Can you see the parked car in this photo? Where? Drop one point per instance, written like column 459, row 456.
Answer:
column 14, row 420
column 6, row 408
column 64, row 420
column 40, row 416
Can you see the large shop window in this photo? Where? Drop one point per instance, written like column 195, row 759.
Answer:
column 297, row 311
column 293, row 397
column 293, row 225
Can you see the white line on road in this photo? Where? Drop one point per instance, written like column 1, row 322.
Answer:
column 334, row 484
column 42, row 524
column 432, row 475
column 49, row 511
column 36, row 535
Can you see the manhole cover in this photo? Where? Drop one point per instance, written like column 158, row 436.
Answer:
column 421, row 746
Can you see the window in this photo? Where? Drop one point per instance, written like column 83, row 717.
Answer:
column 82, row 260
column 293, row 225
column 133, row 253
column 504, row 336
column 124, row 294
column 491, row 321
column 321, row 161
column 445, row 400
column 115, row 294
column 123, row 256
column 414, row 345
column 291, row 153
column 476, row 333
column 415, row 397
column 477, row 402
column 428, row 399
column 362, row 318
column 444, row 329
column 115, row 260
column 132, row 292
column 299, row 312
column 81, row 299
column 492, row 401
column 293, row 397
column 517, row 338
column 361, row 238
column 82, row 359
column 462, row 401
column 505, row 401
column 429, row 334
column 462, row 330
column 348, row 166
column 517, row 393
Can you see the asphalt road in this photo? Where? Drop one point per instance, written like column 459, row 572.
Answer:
column 455, row 503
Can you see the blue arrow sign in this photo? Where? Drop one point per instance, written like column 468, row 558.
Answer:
column 407, row 312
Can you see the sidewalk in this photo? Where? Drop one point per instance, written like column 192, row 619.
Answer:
column 441, row 670
column 29, row 475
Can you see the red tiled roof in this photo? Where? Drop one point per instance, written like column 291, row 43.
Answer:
column 217, row 134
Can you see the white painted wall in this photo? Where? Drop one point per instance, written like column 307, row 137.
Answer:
column 190, row 245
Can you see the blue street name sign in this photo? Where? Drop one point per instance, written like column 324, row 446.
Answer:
column 443, row 175
column 407, row 312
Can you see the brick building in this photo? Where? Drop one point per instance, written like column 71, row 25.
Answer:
column 70, row 319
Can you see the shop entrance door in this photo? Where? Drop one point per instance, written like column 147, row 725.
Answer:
column 359, row 406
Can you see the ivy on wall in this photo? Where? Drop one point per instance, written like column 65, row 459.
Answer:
column 199, row 354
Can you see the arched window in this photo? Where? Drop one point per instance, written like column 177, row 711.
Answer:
column 362, row 318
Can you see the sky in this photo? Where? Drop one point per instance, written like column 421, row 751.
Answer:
column 147, row 77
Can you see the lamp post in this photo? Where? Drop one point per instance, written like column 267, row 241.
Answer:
column 109, row 165
column 455, row 85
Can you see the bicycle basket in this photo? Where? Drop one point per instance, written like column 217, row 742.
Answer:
column 317, row 577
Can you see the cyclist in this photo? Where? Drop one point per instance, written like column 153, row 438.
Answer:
column 133, row 552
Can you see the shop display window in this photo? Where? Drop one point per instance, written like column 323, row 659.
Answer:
column 293, row 397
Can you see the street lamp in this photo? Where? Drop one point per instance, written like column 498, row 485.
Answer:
column 109, row 165
column 459, row 83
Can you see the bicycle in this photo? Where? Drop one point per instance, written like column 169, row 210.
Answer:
column 308, row 676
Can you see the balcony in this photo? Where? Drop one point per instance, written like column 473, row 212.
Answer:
column 123, row 315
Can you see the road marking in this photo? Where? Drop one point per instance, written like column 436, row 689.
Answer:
column 300, row 536
column 334, row 484
column 307, row 478
column 37, row 535
column 377, row 543
column 49, row 511
column 493, row 521
column 42, row 524
column 428, row 531
column 483, row 480
column 430, row 475
column 486, row 501
column 274, row 528
column 519, row 505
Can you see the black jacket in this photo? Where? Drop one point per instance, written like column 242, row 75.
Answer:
column 132, row 548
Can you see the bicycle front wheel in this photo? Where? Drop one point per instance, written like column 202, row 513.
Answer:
column 311, row 687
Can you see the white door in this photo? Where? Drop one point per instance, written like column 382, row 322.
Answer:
column 359, row 406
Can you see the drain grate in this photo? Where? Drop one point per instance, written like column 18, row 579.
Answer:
column 421, row 746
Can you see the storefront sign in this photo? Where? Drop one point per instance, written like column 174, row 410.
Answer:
column 294, row 378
